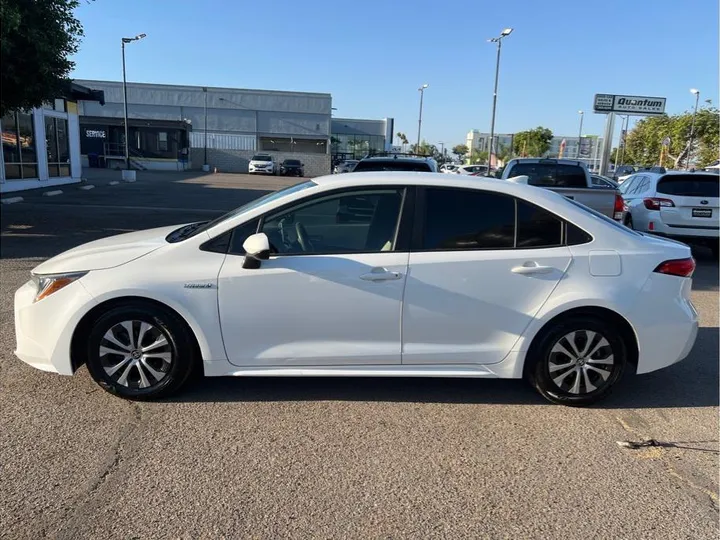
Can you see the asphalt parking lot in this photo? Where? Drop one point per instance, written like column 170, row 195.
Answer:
column 335, row 458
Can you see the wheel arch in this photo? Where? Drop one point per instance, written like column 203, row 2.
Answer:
column 77, row 355
column 603, row 313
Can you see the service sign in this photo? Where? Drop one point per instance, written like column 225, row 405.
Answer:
column 634, row 105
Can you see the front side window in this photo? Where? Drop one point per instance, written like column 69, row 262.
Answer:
column 351, row 222
column 459, row 219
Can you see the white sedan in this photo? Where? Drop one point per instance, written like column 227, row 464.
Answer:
column 369, row 274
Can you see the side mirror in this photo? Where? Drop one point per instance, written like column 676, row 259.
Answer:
column 257, row 248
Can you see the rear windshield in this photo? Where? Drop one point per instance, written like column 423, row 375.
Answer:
column 690, row 185
column 392, row 165
column 261, row 157
column 551, row 174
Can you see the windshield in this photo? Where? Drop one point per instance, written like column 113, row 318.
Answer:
column 188, row 231
column 261, row 157
column 292, row 162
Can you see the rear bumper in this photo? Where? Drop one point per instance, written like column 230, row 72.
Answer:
column 665, row 322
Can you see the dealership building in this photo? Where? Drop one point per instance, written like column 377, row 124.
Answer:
column 41, row 146
column 174, row 127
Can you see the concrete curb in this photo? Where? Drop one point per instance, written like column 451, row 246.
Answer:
column 113, row 183
column 89, row 186
column 11, row 200
column 52, row 193
column 129, row 180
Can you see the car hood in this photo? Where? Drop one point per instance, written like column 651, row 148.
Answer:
column 106, row 252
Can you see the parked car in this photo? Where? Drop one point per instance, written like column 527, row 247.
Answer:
column 680, row 205
column 396, row 162
column 261, row 163
column 448, row 168
column 345, row 166
column 482, row 170
column 414, row 275
column 292, row 167
column 569, row 178
column 599, row 181
column 622, row 172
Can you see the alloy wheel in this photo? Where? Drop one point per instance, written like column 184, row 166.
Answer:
column 135, row 354
column 581, row 362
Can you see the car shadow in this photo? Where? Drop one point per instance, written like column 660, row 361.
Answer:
column 690, row 383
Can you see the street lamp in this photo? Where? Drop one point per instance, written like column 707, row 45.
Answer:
column 206, row 167
column 692, row 127
column 127, row 138
column 582, row 115
column 422, row 93
column 497, row 40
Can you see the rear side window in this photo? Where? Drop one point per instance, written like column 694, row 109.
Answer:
column 468, row 219
column 392, row 165
column 537, row 227
column 690, row 185
column 551, row 174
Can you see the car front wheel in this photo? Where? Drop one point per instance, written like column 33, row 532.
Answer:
column 140, row 351
column 578, row 361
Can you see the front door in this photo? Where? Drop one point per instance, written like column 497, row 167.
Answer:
column 331, row 292
column 479, row 276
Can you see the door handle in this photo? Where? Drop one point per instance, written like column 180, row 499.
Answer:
column 380, row 274
column 532, row 268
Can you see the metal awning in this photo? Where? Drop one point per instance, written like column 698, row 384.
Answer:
column 76, row 92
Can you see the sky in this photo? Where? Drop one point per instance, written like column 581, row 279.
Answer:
column 373, row 55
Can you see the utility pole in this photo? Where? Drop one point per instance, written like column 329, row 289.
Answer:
column 422, row 93
column 125, row 104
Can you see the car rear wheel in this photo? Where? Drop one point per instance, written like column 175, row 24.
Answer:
column 140, row 352
column 578, row 361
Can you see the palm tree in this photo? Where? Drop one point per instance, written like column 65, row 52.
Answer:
column 403, row 139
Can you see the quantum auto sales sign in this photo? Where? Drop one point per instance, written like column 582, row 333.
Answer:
column 636, row 105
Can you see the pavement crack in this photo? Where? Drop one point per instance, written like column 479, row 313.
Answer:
column 77, row 512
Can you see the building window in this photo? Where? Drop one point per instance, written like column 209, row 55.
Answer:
column 306, row 146
column 58, row 146
column 19, row 148
column 162, row 141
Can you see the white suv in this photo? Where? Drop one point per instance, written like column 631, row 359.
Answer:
column 680, row 205
column 262, row 163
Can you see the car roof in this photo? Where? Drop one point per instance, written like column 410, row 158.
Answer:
column 433, row 179
column 671, row 173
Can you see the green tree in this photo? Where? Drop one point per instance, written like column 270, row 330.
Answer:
column 460, row 150
column 478, row 156
column 533, row 142
column 644, row 141
column 37, row 38
column 425, row 149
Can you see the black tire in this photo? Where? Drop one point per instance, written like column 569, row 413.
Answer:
column 715, row 248
column 164, row 324
column 629, row 221
column 542, row 358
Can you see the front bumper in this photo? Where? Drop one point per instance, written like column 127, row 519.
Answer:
column 269, row 169
column 43, row 330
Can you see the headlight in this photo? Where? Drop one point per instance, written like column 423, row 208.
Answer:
column 52, row 283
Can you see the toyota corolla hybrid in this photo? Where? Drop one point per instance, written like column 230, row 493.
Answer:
column 369, row 274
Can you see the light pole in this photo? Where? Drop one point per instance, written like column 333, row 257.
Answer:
column 692, row 127
column 582, row 115
column 621, row 142
column 497, row 40
column 127, row 141
column 422, row 93
column 205, row 162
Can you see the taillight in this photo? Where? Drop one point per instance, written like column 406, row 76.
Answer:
column 655, row 203
column 677, row 267
column 619, row 207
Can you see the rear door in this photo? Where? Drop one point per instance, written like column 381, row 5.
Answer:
column 695, row 198
column 481, row 267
